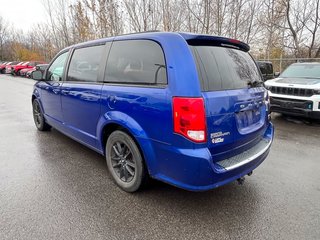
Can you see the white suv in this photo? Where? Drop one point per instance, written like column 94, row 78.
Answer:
column 296, row 91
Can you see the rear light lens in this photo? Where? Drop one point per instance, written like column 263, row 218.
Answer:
column 189, row 118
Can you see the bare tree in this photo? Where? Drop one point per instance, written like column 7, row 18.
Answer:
column 3, row 35
column 314, row 28
column 288, row 27
column 107, row 17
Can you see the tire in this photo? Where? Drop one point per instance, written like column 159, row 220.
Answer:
column 38, row 117
column 125, row 162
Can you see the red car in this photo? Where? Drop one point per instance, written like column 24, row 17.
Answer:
column 3, row 66
column 24, row 71
column 9, row 67
column 18, row 68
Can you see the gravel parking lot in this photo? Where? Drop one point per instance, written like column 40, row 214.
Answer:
column 52, row 187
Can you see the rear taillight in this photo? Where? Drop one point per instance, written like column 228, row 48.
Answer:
column 189, row 118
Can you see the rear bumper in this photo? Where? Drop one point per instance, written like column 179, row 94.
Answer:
column 195, row 170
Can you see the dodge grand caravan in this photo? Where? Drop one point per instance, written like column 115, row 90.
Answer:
column 185, row 109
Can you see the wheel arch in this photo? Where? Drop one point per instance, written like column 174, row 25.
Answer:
column 33, row 98
column 35, row 95
column 119, row 121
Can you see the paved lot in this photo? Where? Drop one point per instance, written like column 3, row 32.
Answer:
column 52, row 187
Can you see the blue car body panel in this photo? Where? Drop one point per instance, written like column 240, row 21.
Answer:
column 83, row 110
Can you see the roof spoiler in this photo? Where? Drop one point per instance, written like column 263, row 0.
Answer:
column 209, row 40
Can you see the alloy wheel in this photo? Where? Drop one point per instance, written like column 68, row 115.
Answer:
column 123, row 162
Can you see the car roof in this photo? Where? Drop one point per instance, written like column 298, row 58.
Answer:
column 191, row 38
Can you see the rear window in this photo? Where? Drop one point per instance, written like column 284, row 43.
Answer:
column 222, row 68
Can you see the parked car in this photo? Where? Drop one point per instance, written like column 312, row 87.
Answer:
column 30, row 71
column 40, row 67
column 8, row 68
column 18, row 67
column 266, row 69
column 186, row 109
column 3, row 67
column 24, row 71
column 30, row 65
column 296, row 91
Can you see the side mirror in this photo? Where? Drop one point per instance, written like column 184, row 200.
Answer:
column 276, row 74
column 37, row 75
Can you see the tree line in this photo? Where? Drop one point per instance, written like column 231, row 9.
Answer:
column 273, row 28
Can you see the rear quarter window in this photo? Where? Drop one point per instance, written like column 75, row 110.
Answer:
column 136, row 62
column 221, row 68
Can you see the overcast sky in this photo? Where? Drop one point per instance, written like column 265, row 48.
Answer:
column 22, row 14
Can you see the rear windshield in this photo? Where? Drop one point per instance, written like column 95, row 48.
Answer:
column 222, row 68
column 302, row 70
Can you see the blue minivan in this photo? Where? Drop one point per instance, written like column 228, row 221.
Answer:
column 187, row 109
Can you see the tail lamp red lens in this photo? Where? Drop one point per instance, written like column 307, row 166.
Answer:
column 189, row 118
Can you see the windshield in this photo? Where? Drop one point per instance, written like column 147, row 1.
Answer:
column 302, row 71
column 222, row 68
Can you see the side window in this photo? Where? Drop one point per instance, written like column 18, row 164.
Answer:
column 55, row 71
column 136, row 62
column 84, row 64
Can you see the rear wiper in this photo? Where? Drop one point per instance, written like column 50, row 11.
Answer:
column 255, row 84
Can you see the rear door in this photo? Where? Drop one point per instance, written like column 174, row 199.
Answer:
column 235, row 107
column 80, row 93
